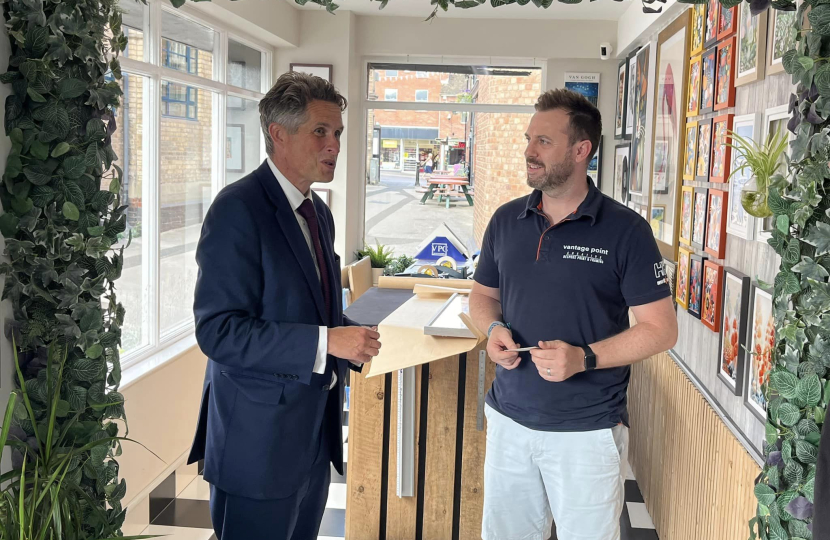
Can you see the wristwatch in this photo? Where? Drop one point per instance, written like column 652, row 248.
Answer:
column 590, row 358
column 495, row 324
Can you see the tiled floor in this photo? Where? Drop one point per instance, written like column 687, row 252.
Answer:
column 187, row 517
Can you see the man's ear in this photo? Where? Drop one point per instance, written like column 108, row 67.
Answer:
column 583, row 151
column 277, row 133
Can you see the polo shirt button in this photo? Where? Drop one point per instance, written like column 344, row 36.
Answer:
column 547, row 238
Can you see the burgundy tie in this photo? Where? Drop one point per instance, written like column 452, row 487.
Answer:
column 310, row 215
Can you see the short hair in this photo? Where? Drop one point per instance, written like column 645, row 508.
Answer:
column 286, row 103
column 585, row 118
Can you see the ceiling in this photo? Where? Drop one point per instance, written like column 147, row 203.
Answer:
column 598, row 10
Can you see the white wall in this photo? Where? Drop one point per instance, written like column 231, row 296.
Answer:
column 272, row 21
column 634, row 25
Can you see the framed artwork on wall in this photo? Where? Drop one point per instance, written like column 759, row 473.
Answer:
column 752, row 46
column 324, row 71
column 658, row 219
column 629, row 107
column 725, row 76
column 695, row 286
column 660, row 173
column 701, row 204
column 693, row 103
column 704, row 150
column 712, row 280
column 716, row 224
column 710, row 36
column 235, row 148
column 738, row 222
column 670, row 269
column 775, row 121
column 638, row 146
column 708, row 63
column 698, row 28
column 687, row 198
column 780, row 39
column 727, row 22
column 732, row 352
column 690, row 155
column 760, row 343
column 622, row 101
column 684, row 259
column 586, row 84
column 721, row 148
column 621, row 169
column 595, row 166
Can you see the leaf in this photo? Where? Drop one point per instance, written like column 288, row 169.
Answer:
column 793, row 473
column 37, row 175
column 819, row 18
column 35, row 96
column 70, row 211
column 787, row 282
column 809, row 489
column 60, row 149
column 809, row 269
column 789, row 414
column 764, row 494
column 793, row 251
column 8, row 225
column 76, row 395
column 771, row 433
column 819, row 234
column 94, row 351
column 785, row 383
column 806, row 427
column 86, row 370
column 806, row 452
column 71, row 88
column 809, row 390
column 74, row 166
column 800, row 508
column 782, row 223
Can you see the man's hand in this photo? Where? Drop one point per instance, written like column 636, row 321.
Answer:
column 500, row 339
column 356, row 344
column 557, row 361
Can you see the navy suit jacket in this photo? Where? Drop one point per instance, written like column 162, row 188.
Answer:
column 258, row 308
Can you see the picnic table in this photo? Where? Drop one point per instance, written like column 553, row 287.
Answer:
column 444, row 183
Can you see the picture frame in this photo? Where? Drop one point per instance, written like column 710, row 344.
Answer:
column 760, row 342
column 684, row 259
column 739, row 223
column 621, row 170
column 781, row 37
column 690, row 155
column 687, row 202
column 637, row 177
column 727, row 22
column 629, row 108
column 235, row 147
column 710, row 314
column 701, row 205
column 708, row 73
column 324, row 71
column 721, row 148
column 752, row 46
column 695, row 75
column 658, row 218
column 660, row 172
column 323, row 193
column 620, row 114
column 595, row 166
column 704, row 150
column 716, row 223
column 695, row 285
column 725, row 77
column 586, row 84
column 775, row 118
column 698, row 27
column 710, row 34
column 670, row 270
column 731, row 367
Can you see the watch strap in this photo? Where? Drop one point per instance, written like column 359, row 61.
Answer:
column 590, row 358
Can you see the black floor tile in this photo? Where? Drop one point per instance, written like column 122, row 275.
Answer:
column 632, row 492
column 334, row 523
column 627, row 532
column 186, row 513
column 162, row 496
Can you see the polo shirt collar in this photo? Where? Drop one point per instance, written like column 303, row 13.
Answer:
column 589, row 207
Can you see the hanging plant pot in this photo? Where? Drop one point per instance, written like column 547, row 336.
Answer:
column 754, row 200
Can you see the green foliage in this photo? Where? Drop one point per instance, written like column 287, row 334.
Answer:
column 380, row 256
column 763, row 162
column 399, row 265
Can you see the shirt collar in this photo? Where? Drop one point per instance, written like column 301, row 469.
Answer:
column 294, row 195
column 589, row 207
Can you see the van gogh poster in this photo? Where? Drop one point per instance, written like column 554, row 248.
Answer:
column 586, row 84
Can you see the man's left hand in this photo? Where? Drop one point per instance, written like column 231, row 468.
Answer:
column 557, row 361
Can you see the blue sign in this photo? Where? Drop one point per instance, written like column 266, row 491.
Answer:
column 439, row 247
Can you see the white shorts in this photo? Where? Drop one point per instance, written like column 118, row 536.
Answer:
column 534, row 477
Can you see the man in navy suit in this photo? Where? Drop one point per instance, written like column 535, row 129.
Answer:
column 269, row 316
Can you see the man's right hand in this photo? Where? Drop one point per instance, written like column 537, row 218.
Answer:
column 500, row 339
column 356, row 344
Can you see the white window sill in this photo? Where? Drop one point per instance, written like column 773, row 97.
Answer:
column 145, row 366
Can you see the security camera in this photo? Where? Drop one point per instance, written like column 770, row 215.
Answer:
column 605, row 50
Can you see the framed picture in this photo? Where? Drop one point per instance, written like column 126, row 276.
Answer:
column 732, row 352
column 324, row 194
column 687, row 202
column 716, row 226
column 324, row 71
column 586, row 84
column 725, row 76
column 738, row 221
column 695, row 75
column 727, row 22
column 638, row 148
column 690, row 157
column 631, row 94
column 760, row 344
column 684, row 259
column 712, row 279
column 695, row 286
column 780, row 38
column 721, row 148
column 704, row 150
column 595, row 166
column 621, row 152
column 235, row 148
column 710, row 36
column 658, row 218
column 622, row 101
column 752, row 45
column 701, row 204
column 708, row 63
column 698, row 28
column 775, row 121
column 661, row 167
column 670, row 269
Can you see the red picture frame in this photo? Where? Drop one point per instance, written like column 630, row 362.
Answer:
column 710, row 25
column 710, row 312
column 721, row 149
column 727, row 22
column 715, row 236
column 725, row 75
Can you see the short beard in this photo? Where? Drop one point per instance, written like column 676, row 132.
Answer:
column 555, row 176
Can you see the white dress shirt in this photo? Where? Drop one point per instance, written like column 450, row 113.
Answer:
column 295, row 199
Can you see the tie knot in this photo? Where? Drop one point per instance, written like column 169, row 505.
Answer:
column 306, row 210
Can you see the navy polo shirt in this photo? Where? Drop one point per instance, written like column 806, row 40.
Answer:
column 573, row 281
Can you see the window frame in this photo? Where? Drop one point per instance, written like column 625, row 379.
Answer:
column 425, row 100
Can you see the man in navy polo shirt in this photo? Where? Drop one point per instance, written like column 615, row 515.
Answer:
column 559, row 271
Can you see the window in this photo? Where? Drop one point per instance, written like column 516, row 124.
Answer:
column 177, row 100
column 179, row 56
column 244, row 66
column 390, row 95
column 421, row 95
column 391, row 73
column 421, row 75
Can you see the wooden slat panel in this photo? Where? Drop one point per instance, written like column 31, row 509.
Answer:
column 472, row 469
column 442, row 421
column 392, row 282
column 363, row 479
column 401, row 514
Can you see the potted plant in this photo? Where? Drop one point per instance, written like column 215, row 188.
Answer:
column 380, row 257
column 399, row 264
column 763, row 161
